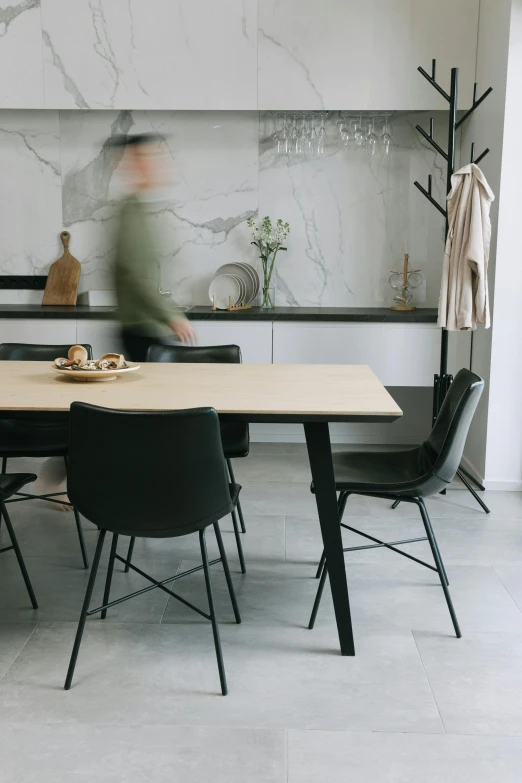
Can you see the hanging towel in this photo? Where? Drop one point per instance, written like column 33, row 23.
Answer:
column 463, row 299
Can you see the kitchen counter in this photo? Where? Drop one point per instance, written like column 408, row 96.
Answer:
column 340, row 314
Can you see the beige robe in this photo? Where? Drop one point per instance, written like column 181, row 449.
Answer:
column 464, row 289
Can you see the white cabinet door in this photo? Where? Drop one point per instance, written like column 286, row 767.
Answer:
column 149, row 54
column 254, row 339
column 102, row 335
column 351, row 54
column 399, row 354
column 39, row 331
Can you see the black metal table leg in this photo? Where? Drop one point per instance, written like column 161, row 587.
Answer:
column 321, row 465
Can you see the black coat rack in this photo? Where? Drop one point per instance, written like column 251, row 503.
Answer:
column 442, row 380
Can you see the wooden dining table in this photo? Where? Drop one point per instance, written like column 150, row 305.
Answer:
column 313, row 395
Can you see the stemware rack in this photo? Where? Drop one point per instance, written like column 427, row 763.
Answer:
column 442, row 380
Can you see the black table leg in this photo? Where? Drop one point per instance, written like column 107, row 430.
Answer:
column 320, row 456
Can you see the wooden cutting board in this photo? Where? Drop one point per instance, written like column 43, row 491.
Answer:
column 64, row 277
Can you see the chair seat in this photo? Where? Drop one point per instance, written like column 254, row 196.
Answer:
column 390, row 472
column 235, row 438
column 13, row 482
column 33, row 438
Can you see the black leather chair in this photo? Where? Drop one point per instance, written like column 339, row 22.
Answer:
column 111, row 485
column 38, row 436
column 410, row 476
column 234, row 434
column 9, row 485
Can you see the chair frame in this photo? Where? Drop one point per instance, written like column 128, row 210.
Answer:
column 51, row 497
column 15, row 546
column 107, row 604
column 322, row 569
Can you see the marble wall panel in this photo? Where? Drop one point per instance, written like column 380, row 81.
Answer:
column 200, row 218
column 159, row 54
column 353, row 217
column 21, row 64
column 30, row 195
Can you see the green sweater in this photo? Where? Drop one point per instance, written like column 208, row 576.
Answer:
column 141, row 307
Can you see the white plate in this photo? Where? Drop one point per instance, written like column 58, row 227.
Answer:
column 247, row 274
column 255, row 276
column 95, row 375
column 225, row 288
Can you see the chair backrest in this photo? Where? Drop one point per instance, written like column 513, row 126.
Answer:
column 155, row 474
column 445, row 445
column 220, row 354
column 27, row 352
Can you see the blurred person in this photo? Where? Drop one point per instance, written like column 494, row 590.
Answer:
column 146, row 316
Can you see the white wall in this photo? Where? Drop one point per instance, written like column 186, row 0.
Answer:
column 486, row 129
column 504, row 435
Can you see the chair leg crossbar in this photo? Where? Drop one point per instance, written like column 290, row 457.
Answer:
column 107, row 604
column 322, row 569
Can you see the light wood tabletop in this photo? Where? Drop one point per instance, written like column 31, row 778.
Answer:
column 258, row 392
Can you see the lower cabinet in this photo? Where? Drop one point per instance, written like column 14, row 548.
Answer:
column 254, row 339
column 399, row 354
column 40, row 331
column 104, row 336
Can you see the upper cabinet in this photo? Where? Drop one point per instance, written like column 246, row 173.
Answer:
column 363, row 54
column 233, row 54
column 150, row 54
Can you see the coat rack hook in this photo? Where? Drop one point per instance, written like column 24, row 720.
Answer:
column 429, row 138
column 476, row 104
column 428, row 195
column 433, row 68
column 481, row 156
column 432, row 81
column 432, row 127
column 472, row 157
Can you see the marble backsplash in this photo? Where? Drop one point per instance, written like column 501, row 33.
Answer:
column 351, row 217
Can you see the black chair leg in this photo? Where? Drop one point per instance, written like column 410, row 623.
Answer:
column 129, row 554
column 470, row 489
column 438, row 562
column 239, row 544
column 79, row 528
column 212, row 611
column 239, row 509
column 341, row 505
column 14, row 542
column 85, row 609
column 110, row 569
column 318, row 597
column 4, row 469
column 226, row 569
column 396, row 503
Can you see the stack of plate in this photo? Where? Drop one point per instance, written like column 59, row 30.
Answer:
column 236, row 283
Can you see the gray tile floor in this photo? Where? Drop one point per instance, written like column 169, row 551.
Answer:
column 413, row 704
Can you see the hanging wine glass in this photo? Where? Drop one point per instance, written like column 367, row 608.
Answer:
column 386, row 139
column 281, row 139
column 313, row 137
column 372, row 140
column 301, row 140
column 321, row 138
column 359, row 135
column 293, row 137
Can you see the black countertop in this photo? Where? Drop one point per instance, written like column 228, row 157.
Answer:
column 342, row 314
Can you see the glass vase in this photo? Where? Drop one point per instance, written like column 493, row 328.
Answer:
column 268, row 300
